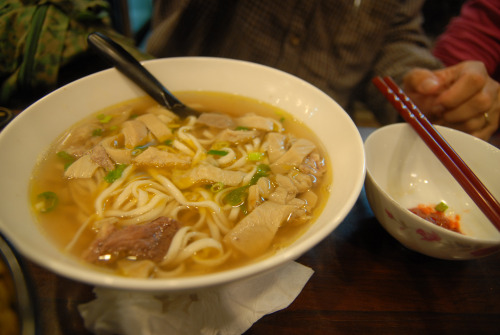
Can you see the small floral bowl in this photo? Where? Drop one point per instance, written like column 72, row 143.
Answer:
column 402, row 173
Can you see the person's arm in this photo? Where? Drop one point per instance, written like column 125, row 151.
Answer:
column 464, row 95
column 473, row 35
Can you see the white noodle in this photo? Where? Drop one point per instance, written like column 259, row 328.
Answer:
column 221, row 225
column 231, row 156
column 138, row 210
column 177, row 194
column 146, row 217
column 214, row 230
column 212, row 261
column 99, row 201
column 242, row 161
column 182, row 148
column 233, row 215
column 249, row 175
column 78, row 233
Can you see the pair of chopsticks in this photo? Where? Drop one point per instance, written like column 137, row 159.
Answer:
column 440, row 147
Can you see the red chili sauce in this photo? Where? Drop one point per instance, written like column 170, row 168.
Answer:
column 429, row 213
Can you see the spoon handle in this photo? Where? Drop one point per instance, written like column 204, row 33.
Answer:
column 131, row 68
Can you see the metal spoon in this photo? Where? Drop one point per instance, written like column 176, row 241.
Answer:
column 131, row 68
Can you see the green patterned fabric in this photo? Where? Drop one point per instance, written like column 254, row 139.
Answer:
column 39, row 37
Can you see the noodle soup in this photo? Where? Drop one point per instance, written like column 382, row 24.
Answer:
column 138, row 192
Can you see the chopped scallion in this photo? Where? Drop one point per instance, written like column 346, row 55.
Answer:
column 237, row 196
column 217, row 152
column 262, row 171
column 103, row 118
column 115, row 174
column 66, row 158
column 217, row 187
column 441, row 207
column 140, row 148
column 47, row 201
column 255, row 156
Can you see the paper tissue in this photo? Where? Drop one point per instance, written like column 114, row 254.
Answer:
column 228, row 309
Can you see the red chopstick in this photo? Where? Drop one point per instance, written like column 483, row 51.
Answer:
column 440, row 147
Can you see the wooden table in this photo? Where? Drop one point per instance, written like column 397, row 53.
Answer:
column 365, row 282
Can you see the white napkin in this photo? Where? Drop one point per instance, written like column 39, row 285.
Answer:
column 225, row 310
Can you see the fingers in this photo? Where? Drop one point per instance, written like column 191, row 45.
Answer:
column 474, row 105
column 487, row 130
column 458, row 96
column 421, row 81
column 423, row 88
column 460, row 83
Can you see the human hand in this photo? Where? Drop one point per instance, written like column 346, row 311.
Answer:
column 462, row 96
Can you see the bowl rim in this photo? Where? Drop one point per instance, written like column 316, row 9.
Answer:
column 425, row 223
column 103, row 279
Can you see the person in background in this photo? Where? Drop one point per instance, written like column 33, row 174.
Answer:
column 474, row 35
column 338, row 46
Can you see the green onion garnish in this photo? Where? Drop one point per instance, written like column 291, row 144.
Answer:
column 255, row 156
column 216, row 187
column 441, row 207
column 140, row 148
column 115, row 174
column 103, row 118
column 47, row 201
column 238, row 196
column 66, row 158
column 262, row 171
column 217, row 152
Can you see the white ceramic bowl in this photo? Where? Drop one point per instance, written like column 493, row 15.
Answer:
column 402, row 173
column 30, row 133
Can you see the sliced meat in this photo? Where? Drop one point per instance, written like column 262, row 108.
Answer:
column 206, row 173
column 281, row 195
column 314, row 165
column 255, row 232
column 101, row 158
column 80, row 140
column 155, row 157
column 254, row 198
column 253, row 121
column 285, row 190
column 265, row 187
column 163, row 114
column 135, row 133
column 120, row 115
column 293, row 157
column 237, row 136
column 147, row 241
column 155, row 126
column 216, row 120
column 287, row 183
column 276, row 146
column 83, row 167
column 302, row 181
column 119, row 156
column 310, row 198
